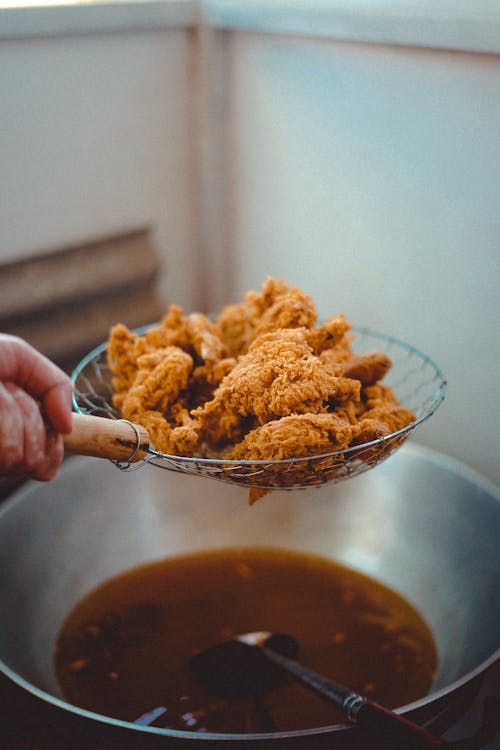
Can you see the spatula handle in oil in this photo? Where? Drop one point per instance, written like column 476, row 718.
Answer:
column 385, row 724
column 115, row 439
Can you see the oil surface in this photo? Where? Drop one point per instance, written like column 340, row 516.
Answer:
column 125, row 649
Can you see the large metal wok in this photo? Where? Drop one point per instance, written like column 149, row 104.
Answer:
column 420, row 523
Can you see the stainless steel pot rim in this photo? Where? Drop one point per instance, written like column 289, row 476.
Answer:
column 432, row 455
column 178, row 734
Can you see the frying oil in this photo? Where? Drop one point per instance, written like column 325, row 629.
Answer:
column 125, row 649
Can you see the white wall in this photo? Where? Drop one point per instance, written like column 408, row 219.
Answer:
column 369, row 175
column 96, row 138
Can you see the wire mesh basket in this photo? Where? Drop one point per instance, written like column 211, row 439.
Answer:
column 415, row 379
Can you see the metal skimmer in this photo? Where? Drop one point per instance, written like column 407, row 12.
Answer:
column 415, row 379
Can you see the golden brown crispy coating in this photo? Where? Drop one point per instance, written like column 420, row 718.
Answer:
column 235, row 325
column 161, row 376
column 379, row 416
column 194, row 333
column 277, row 305
column 367, row 368
column 121, row 361
column 370, row 429
column 379, row 423
column 378, row 395
column 331, row 335
column 205, row 379
column 157, row 426
column 283, row 306
column 393, row 416
column 278, row 376
column 184, row 436
column 184, row 440
column 171, row 331
column 204, row 337
column 220, row 425
column 349, row 410
column 295, row 436
column 256, row 493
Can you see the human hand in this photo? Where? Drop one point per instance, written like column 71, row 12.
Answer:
column 35, row 411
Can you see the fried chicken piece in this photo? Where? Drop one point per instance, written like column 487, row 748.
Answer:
column 220, row 425
column 278, row 376
column 295, row 436
column 331, row 343
column 172, row 330
column 125, row 348
column 204, row 338
column 393, row 416
column 380, row 415
column 348, row 410
column 236, row 327
column 331, row 335
column 283, row 306
column 161, row 376
column 205, row 379
column 174, row 441
column 157, row 426
column 380, row 422
column 184, row 440
column 277, row 305
column 332, row 361
column 194, row 334
column 368, row 368
column 183, row 437
column 378, row 395
column 256, row 493
column 370, row 429
column 121, row 361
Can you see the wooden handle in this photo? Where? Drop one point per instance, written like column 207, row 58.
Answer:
column 114, row 439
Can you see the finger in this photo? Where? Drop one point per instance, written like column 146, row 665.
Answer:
column 11, row 433
column 34, row 431
column 22, row 364
column 57, row 403
column 43, row 448
column 54, row 454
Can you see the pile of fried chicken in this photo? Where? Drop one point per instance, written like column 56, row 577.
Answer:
column 262, row 381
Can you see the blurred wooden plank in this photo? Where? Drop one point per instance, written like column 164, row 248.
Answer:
column 86, row 271
column 64, row 302
column 67, row 333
